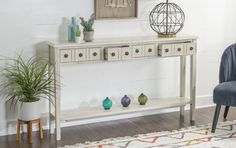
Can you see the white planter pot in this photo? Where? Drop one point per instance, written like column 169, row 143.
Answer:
column 78, row 39
column 29, row 110
column 88, row 36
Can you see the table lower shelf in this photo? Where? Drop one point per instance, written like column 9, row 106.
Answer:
column 93, row 112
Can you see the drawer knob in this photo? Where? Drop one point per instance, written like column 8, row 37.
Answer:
column 113, row 54
column 126, row 53
column 179, row 49
column 150, row 50
column 166, row 50
column 66, row 55
column 191, row 48
column 80, row 55
column 137, row 50
column 95, row 54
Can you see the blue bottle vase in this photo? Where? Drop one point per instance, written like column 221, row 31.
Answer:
column 72, row 30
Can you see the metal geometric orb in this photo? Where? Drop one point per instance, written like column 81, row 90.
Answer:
column 167, row 19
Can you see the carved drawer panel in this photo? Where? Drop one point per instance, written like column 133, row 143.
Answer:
column 191, row 48
column 126, row 53
column 150, row 50
column 95, row 54
column 66, row 55
column 81, row 55
column 112, row 54
column 165, row 50
column 137, row 51
column 179, row 49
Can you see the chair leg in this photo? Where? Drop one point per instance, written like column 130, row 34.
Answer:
column 226, row 113
column 216, row 116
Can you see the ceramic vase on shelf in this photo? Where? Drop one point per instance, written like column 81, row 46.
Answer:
column 107, row 103
column 88, row 36
column 142, row 99
column 72, row 30
column 125, row 101
column 78, row 39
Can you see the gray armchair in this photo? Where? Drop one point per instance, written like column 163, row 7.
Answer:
column 225, row 92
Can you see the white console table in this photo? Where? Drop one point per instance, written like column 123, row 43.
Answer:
column 118, row 49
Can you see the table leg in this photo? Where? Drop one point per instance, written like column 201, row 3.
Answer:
column 57, row 101
column 192, row 88
column 182, row 84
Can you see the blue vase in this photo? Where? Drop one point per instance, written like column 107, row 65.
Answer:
column 125, row 101
column 107, row 103
column 72, row 29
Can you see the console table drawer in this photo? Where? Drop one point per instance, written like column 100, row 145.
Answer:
column 126, row 53
column 112, row 54
column 150, row 50
column 191, row 48
column 179, row 49
column 65, row 55
column 95, row 54
column 165, row 50
column 81, row 55
column 137, row 51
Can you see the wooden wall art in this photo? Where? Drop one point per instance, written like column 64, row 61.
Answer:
column 116, row 9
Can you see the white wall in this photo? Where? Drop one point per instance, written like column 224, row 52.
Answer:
column 26, row 23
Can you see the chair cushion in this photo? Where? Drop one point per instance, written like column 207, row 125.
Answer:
column 225, row 93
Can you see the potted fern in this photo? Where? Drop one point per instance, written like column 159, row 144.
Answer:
column 25, row 83
column 88, row 28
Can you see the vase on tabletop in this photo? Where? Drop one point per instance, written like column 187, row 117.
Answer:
column 125, row 101
column 142, row 99
column 107, row 103
column 72, row 30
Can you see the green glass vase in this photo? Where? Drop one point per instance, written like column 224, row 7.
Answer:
column 107, row 103
column 142, row 99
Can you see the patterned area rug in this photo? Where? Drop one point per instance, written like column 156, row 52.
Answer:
column 192, row 137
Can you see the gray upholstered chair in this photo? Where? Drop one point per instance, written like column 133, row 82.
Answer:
column 225, row 92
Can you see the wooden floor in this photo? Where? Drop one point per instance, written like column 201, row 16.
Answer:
column 126, row 127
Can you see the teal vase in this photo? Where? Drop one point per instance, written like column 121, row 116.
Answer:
column 72, row 29
column 142, row 99
column 107, row 103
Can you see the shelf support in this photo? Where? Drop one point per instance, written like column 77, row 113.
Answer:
column 192, row 88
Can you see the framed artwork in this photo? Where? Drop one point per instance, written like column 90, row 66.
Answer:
column 116, row 9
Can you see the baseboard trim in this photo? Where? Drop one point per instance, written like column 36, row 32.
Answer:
column 8, row 127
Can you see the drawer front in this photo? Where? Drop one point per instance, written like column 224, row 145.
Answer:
column 95, row 54
column 126, row 53
column 112, row 54
column 137, row 51
column 66, row 55
column 191, row 48
column 179, row 49
column 165, row 50
column 150, row 50
column 81, row 55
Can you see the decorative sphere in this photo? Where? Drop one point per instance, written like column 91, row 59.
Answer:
column 167, row 18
